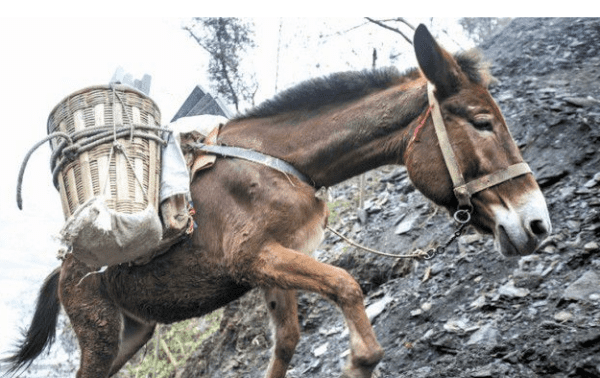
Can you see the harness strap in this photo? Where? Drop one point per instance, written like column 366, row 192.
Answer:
column 496, row 178
column 440, row 129
column 253, row 156
column 463, row 191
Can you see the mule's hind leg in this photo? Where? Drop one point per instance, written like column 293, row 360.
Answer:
column 95, row 319
column 283, row 308
column 285, row 268
column 134, row 335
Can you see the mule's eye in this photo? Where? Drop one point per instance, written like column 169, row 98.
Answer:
column 483, row 124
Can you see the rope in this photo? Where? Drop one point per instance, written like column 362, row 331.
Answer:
column 57, row 134
column 81, row 141
column 462, row 216
column 116, row 94
column 418, row 253
column 110, row 156
column 117, row 146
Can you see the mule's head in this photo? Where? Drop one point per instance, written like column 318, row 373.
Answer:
column 514, row 211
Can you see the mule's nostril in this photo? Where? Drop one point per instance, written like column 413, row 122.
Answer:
column 538, row 228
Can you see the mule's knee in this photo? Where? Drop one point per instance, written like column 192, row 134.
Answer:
column 346, row 290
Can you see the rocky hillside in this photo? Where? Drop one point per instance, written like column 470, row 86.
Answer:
column 469, row 312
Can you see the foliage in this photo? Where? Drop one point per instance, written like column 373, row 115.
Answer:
column 226, row 39
column 337, row 208
column 479, row 28
column 176, row 342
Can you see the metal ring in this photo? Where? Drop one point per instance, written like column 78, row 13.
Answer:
column 429, row 254
column 462, row 216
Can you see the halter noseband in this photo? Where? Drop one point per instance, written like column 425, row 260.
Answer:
column 464, row 191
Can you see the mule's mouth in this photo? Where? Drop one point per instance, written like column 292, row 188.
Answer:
column 521, row 229
column 504, row 244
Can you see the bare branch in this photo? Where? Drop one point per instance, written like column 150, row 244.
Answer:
column 399, row 19
column 198, row 40
column 337, row 33
column 390, row 28
column 403, row 20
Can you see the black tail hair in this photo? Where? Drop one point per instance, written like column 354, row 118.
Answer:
column 42, row 331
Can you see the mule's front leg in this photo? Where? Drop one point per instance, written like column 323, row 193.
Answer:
column 283, row 308
column 287, row 269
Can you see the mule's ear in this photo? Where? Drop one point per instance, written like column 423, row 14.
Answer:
column 438, row 65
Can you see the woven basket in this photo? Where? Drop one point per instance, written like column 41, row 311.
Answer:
column 91, row 173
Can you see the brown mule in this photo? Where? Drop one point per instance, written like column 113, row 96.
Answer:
column 256, row 223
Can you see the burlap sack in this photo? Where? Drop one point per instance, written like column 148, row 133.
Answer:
column 99, row 236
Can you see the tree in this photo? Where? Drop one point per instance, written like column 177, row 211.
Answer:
column 226, row 40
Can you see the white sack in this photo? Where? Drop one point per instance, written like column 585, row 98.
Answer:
column 99, row 236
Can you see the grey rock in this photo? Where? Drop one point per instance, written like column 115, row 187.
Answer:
column 586, row 285
column 407, row 224
column 509, row 290
column 593, row 181
column 583, row 102
column 485, row 336
column 591, row 246
column 376, row 308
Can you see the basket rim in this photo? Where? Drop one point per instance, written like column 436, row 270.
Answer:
column 119, row 87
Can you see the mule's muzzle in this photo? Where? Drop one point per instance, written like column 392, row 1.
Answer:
column 517, row 245
column 520, row 230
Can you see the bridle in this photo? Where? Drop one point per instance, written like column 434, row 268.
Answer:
column 462, row 190
column 465, row 190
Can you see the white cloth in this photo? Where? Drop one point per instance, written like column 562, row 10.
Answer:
column 99, row 236
column 175, row 176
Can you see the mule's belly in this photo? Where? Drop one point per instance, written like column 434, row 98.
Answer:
column 166, row 292
column 177, row 309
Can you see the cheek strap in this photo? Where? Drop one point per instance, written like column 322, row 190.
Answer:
column 463, row 191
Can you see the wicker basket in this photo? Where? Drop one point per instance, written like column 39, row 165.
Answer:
column 129, row 181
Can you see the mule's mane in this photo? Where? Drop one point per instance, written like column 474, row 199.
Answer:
column 336, row 88
column 342, row 87
column 475, row 67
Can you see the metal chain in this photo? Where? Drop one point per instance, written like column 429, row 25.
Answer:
column 463, row 217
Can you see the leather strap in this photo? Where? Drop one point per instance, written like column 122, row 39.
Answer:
column 204, row 161
column 253, row 156
column 496, row 178
column 463, row 191
column 440, row 129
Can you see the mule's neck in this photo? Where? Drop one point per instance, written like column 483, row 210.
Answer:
column 333, row 144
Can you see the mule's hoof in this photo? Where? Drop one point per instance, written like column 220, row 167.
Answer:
column 350, row 372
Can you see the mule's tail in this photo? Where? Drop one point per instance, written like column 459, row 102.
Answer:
column 42, row 330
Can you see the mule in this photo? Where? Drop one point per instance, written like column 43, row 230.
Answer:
column 256, row 224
